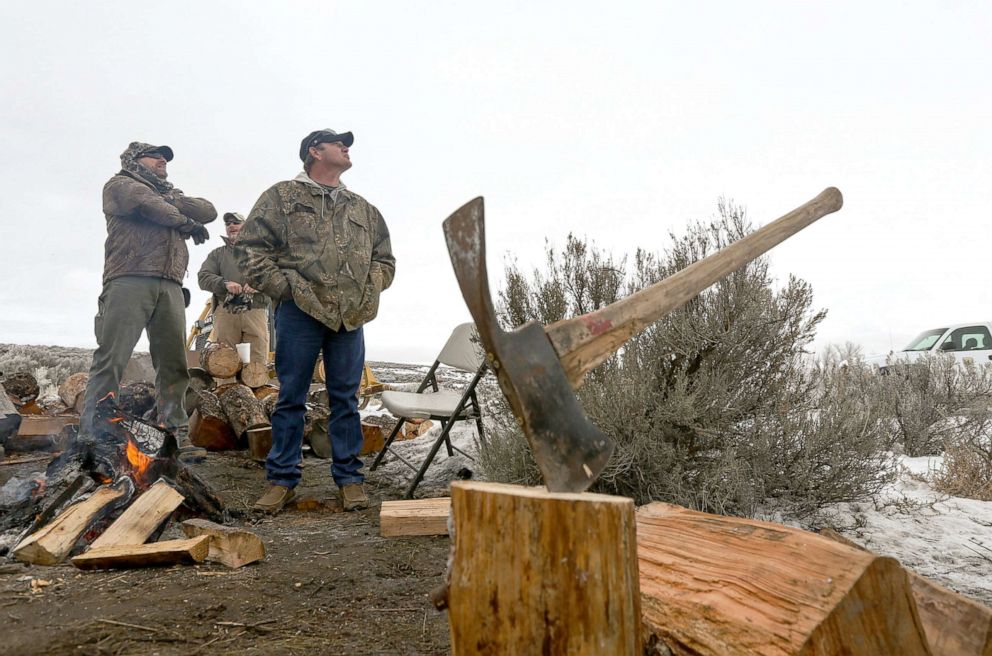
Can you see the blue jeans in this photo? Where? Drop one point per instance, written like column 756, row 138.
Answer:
column 299, row 340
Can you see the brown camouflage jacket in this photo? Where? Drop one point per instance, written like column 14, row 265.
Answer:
column 143, row 228
column 221, row 267
column 329, row 253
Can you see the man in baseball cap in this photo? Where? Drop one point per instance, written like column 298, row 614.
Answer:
column 322, row 252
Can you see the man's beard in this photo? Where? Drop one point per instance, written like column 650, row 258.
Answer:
column 162, row 176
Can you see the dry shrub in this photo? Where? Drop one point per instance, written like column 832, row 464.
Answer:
column 50, row 365
column 716, row 406
column 967, row 469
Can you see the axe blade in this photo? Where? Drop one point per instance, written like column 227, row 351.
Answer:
column 569, row 450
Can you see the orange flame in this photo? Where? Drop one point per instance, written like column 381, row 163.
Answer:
column 139, row 461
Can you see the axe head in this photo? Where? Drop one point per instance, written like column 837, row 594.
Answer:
column 568, row 449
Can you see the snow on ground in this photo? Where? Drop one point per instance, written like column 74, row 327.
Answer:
column 947, row 539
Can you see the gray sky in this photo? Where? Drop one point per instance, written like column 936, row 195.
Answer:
column 618, row 125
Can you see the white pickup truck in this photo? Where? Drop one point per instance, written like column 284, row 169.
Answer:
column 966, row 342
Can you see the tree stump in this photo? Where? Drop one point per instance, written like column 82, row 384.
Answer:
column 242, row 409
column 220, row 360
column 22, row 387
column 72, row 390
column 537, row 572
column 254, row 374
column 713, row 585
column 208, row 425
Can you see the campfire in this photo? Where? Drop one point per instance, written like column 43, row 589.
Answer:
column 105, row 500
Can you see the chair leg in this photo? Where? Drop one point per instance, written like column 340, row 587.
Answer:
column 385, row 445
column 447, row 440
column 443, row 437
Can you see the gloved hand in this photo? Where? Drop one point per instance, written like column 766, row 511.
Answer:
column 195, row 230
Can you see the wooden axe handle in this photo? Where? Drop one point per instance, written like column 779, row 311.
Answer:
column 586, row 341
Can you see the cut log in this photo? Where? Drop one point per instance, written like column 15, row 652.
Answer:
column 414, row 517
column 242, row 409
column 729, row 586
column 259, row 443
column 254, row 374
column 167, row 552
column 373, row 438
column 142, row 517
column 265, row 391
column 72, row 391
column 208, row 427
column 541, row 572
column 230, row 546
column 954, row 624
column 21, row 387
column 199, row 381
column 53, row 542
column 136, row 398
column 315, row 426
column 45, row 425
column 269, row 404
column 220, row 360
column 416, row 427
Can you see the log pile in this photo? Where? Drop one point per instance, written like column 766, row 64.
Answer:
column 27, row 424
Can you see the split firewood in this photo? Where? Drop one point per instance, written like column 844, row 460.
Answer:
column 220, row 360
column 954, row 624
column 259, row 443
column 40, row 433
column 21, row 387
column 242, row 409
column 208, row 427
column 254, row 374
column 265, row 391
column 726, row 585
column 231, row 546
column 142, row 517
column 167, row 552
column 136, row 398
column 416, row 427
column 72, row 391
column 53, row 542
column 373, row 438
column 199, row 381
column 414, row 517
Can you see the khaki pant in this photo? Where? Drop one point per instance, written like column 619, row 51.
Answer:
column 127, row 306
column 251, row 326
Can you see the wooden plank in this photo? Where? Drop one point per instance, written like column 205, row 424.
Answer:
column 231, row 546
column 167, row 552
column 42, row 425
column 954, row 624
column 537, row 572
column 53, row 542
column 142, row 517
column 414, row 517
column 727, row 586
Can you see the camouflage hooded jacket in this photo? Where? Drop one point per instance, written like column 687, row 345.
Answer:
column 146, row 219
column 327, row 251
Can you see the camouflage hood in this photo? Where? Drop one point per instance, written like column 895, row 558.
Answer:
column 129, row 164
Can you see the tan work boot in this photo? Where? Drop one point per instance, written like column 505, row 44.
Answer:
column 274, row 498
column 353, row 496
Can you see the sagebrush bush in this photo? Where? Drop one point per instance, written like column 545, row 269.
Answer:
column 50, row 365
column 715, row 406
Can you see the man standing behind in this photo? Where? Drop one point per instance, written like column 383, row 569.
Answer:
column 240, row 311
column 145, row 259
column 321, row 252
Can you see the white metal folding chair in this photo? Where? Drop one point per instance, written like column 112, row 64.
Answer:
column 462, row 351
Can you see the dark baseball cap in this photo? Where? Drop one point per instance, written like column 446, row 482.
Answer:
column 323, row 136
column 233, row 217
column 164, row 151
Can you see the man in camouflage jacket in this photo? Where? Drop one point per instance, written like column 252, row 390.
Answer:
column 322, row 252
column 148, row 223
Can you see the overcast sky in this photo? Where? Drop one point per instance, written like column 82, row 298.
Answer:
column 618, row 124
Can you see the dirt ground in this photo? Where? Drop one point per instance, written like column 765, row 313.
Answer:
column 328, row 585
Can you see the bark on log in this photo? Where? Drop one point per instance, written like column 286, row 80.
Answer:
column 954, row 624
column 52, row 543
column 142, row 517
column 315, row 429
column 136, row 398
column 230, row 546
column 540, row 572
column 199, row 495
column 729, row 586
column 220, row 360
column 208, row 427
column 269, row 404
column 242, row 409
column 22, row 387
column 199, row 381
column 72, row 390
column 168, row 552
column 254, row 374
column 265, row 391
